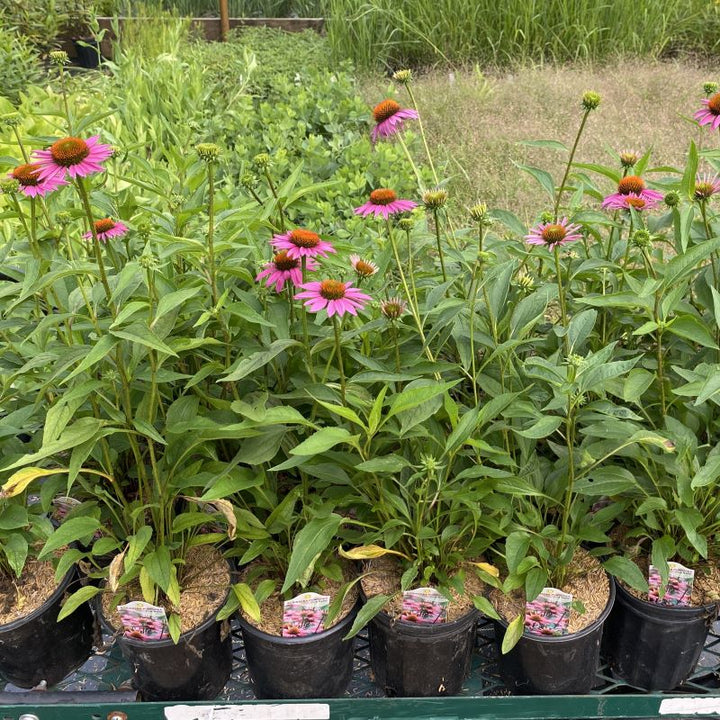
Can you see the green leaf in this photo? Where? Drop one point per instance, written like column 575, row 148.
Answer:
column 513, row 633
column 247, row 600
column 13, row 516
column 323, row 440
column 708, row 473
column 690, row 519
column 542, row 428
column 136, row 545
column 99, row 351
column 143, row 335
column 580, row 328
column 367, row 612
column 257, row 360
column 690, row 328
column 158, row 566
column 384, row 464
column 309, row 543
column 78, row 598
column 516, row 547
column 627, row 571
column 343, row 411
column 413, row 396
column 69, row 532
column 16, row 550
column 543, row 177
column 173, row 300
column 607, row 480
column 485, row 607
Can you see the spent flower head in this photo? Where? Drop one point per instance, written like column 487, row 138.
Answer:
column 403, row 77
column 435, row 199
column 590, row 100
column 208, row 152
column 393, row 308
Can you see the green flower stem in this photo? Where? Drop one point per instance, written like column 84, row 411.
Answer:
column 281, row 210
column 63, row 91
column 21, row 144
column 82, row 190
column 414, row 167
column 306, row 334
column 561, row 188
column 397, row 347
column 413, row 308
column 561, row 298
column 436, row 221
column 411, row 270
column 567, row 504
column 708, row 235
column 338, row 352
column 422, row 133
column 211, row 233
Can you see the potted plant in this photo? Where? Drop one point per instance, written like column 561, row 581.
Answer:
column 36, row 643
column 81, row 19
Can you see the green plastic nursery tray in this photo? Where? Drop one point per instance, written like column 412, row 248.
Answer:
column 483, row 695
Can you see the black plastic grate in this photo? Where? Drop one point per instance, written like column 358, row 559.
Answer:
column 106, row 671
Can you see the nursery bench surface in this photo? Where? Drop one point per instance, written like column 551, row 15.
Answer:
column 483, row 695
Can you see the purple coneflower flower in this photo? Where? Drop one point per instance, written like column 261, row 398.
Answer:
column 363, row 268
column 552, row 234
column 302, row 243
column 706, row 186
column 334, row 296
column 28, row 176
column 74, row 156
column 632, row 185
column 389, row 119
column 384, row 202
column 107, row 228
column 282, row 268
column 710, row 114
column 393, row 308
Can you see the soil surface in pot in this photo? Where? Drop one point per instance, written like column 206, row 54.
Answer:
column 271, row 611
column 588, row 583
column 204, row 580
column 21, row 596
column 383, row 578
column 706, row 586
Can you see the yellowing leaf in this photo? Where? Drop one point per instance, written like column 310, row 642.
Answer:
column 225, row 507
column 115, row 570
column 22, row 478
column 367, row 552
column 488, row 568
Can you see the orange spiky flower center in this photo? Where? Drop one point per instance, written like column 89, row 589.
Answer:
column 631, row 184
column 714, row 104
column 104, row 225
column 554, row 234
column 69, row 151
column 364, row 268
column 27, row 174
column 384, row 110
column 285, row 263
column 304, row 238
column 637, row 202
column 332, row 289
column 382, row 196
column 704, row 190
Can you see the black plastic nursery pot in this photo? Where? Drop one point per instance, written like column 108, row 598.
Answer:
column 420, row 660
column 315, row 666
column 655, row 647
column 88, row 52
column 564, row 665
column 37, row 647
column 196, row 668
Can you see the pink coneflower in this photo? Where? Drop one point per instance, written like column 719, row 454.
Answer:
column 74, row 156
column 363, row 268
column 107, row 228
column 706, row 186
column 28, row 175
column 302, row 243
column 389, row 119
column 632, row 185
column 552, row 234
column 393, row 308
column 384, row 202
column 710, row 114
column 282, row 268
column 334, row 296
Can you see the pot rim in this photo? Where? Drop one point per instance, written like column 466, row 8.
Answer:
column 279, row 640
column 674, row 609
column 56, row 595
column 588, row 630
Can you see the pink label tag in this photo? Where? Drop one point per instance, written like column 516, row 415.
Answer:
column 143, row 621
column 305, row 615
column 548, row 613
column 679, row 586
column 424, row 605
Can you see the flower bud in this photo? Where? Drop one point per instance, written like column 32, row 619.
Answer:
column 208, row 152
column 261, row 161
column 628, row 158
column 12, row 120
column 63, row 218
column 59, row 57
column 9, row 186
column 393, row 308
column 710, row 88
column 406, row 224
column 642, row 239
column 672, row 199
column 590, row 100
column 435, row 199
column 404, row 77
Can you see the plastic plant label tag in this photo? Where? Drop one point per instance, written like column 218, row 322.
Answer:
column 305, row 615
column 424, row 605
column 679, row 587
column 548, row 613
column 62, row 505
column 144, row 621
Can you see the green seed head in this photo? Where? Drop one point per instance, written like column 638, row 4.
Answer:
column 642, row 239
column 435, row 199
column 590, row 100
column 149, row 261
column 208, row 152
column 248, row 181
column 672, row 199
